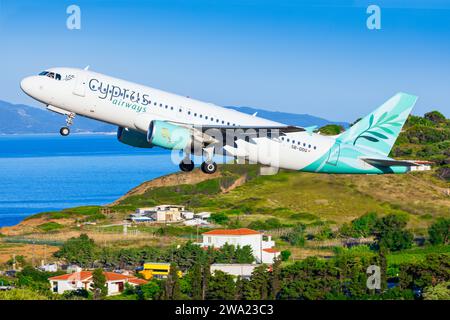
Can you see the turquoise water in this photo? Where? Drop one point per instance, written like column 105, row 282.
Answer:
column 49, row 172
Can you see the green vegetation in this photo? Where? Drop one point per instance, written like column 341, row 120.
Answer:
column 426, row 138
column 331, row 129
column 439, row 231
column 50, row 226
column 84, row 252
column 78, row 250
column 85, row 214
column 99, row 284
column 22, row 294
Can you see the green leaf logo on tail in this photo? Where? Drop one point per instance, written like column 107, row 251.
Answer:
column 383, row 124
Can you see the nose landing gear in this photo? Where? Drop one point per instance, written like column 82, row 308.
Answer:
column 65, row 131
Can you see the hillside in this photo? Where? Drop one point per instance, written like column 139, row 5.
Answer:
column 244, row 197
column 426, row 138
column 22, row 119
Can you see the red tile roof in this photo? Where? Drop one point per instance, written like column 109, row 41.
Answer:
column 112, row 276
column 232, row 232
column 87, row 275
column 271, row 250
column 82, row 276
column 138, row 281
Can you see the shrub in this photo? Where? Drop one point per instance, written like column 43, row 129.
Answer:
column 285, row 254
column 219, row 218
column 439, row 231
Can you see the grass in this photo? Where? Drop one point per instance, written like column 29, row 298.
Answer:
column 415, row 254
column 85, row 213
column 50, row 226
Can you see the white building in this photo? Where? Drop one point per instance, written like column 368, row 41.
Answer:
column 188, row 215
column 203, row 215
column 161, row 213
column 235, row 269
column 262, row 249
column 115, row 282
column 196, row 222
column 52, row 267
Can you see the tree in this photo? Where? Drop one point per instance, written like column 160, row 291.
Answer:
column 221, row 286
column 172, row 290
column 98, row 285
column 196, row 281
column 275, row 279
column 285, row 254
column 151, row 290
column 244, row 254
column 391, row 234
column 297, row 236
column 433, row 270
column 435, row 116
column 440, row 291
column 260, row 284
column 360, row 227
column 79, row 250
column 439, row 231
column 219, row 218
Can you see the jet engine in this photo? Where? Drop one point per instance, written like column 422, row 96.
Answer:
column 133, row 138
column 169, row 136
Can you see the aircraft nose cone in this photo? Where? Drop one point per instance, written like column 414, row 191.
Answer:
column 26, row 85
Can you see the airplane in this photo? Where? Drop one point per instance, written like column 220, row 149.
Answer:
column 147, row 117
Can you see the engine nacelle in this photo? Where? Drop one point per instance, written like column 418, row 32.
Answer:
column 168, row 136
column 133, row 138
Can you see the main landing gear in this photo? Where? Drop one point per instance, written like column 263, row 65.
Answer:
column 208, row 167
column 186, row 165
column 65, row 131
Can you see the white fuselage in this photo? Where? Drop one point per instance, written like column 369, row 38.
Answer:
column 133, row 106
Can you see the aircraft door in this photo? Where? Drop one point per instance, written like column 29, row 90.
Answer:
column 80, row 84
column 333, row 156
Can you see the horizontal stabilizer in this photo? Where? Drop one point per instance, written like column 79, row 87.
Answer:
column 391, row 162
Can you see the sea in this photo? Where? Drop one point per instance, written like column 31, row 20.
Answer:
column 47, row 172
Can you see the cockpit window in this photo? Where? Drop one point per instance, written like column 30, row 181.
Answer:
column 52, row 75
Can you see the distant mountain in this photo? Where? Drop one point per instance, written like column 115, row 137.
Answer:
column 22, row 119
column 302, row 120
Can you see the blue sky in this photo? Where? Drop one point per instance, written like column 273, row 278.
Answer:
column 315, row 57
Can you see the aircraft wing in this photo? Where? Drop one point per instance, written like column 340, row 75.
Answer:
column 390, row 162
column 249, row 130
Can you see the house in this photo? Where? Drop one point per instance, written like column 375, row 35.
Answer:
column 235, row 269
column 188, row 215
column 161, row 213
column 196, row 222
column 115, row 282
column 202, row 215
column 71, row 268
column 138, row 218
column 52, row 267
column 262, row 246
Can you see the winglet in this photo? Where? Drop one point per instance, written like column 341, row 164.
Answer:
column 310, row 129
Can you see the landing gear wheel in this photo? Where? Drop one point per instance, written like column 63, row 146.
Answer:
column 209, row 167
column 64, row 131
column 186, row 165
